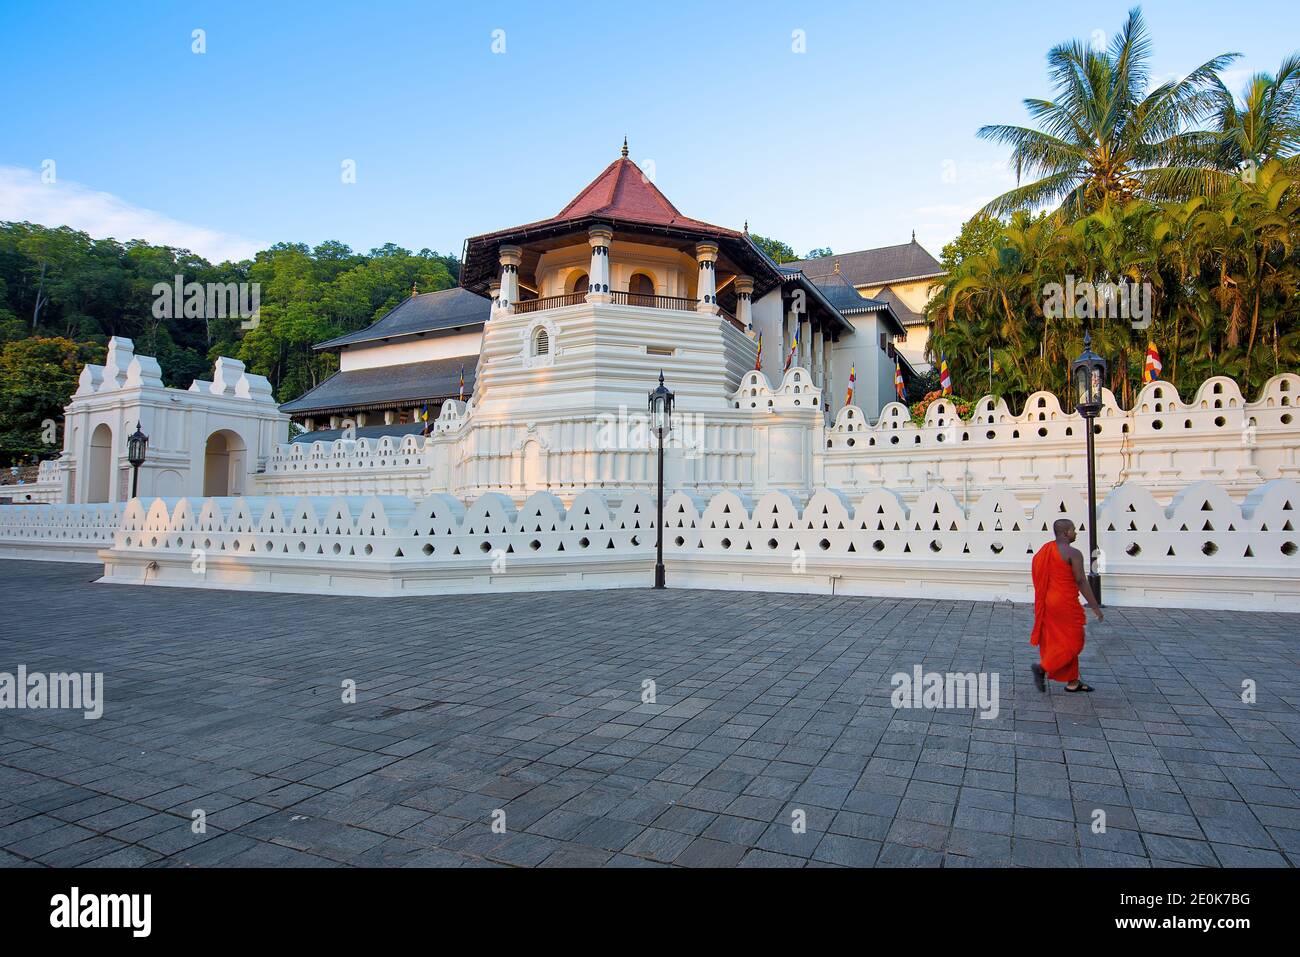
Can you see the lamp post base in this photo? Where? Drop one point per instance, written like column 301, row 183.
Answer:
column 1094, row 580
column 659, row 576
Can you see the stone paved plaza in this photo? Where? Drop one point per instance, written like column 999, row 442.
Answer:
column 232, row 703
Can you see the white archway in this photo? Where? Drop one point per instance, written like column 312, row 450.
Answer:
column 99, row 465
column 224, row 455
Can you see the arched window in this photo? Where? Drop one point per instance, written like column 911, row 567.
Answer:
column 640, row 290
column 541, row 343
column 580, row 283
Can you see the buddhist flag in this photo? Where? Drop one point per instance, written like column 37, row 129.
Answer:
column 794, row 347
column 945, row 378
column 853, row 378
column 758, row 359
column 424, row 416
column 462, row 382
column 898, row 382
column 1151, row 372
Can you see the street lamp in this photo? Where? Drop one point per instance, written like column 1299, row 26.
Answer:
column 1087, row 373
column 661, row 410
column 137, row 443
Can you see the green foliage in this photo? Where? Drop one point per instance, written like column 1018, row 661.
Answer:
column 37, row 376
column 1223, row 273
column 1108, row 136
column 58, row 282
column 779, row 251
column 978, row 236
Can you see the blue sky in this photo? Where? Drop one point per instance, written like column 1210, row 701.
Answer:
column 864, row 137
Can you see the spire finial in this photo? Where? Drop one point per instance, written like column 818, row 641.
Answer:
column 625, row 147
column 837, row 267
column 414, row 289
column 747, row 227
column 914, row 235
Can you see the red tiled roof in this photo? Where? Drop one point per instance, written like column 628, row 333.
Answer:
column 623, row 192
column 625, row 199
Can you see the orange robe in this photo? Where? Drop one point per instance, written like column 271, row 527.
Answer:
column 1058, row 616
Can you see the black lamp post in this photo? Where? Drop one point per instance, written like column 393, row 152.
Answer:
column 1087, row 373
column 661, row 409
column 137, row 443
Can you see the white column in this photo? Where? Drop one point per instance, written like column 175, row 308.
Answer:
column 787, row 335
column 829, row 401
column 744, row 312
column 816, row 369
column 511, row 257
column 598, row 275
column 706, row 254
column 494, row 291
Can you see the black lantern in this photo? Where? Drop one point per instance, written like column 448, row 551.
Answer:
column 137, row 443
column 1087, row 376
column 661, row 410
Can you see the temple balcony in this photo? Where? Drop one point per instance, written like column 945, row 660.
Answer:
column 640, row 300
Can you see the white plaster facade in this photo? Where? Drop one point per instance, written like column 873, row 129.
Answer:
column 211, row 439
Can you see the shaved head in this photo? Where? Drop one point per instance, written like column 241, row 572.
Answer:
column 1062, row 527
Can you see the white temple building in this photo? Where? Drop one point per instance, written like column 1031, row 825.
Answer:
column 619, row 250
column 544, row 475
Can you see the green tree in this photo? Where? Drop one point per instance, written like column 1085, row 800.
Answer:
column 37, row 378
column 1107, row 138
column 778, row 251
column 1265, row 123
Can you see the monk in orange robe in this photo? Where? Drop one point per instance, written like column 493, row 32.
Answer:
column 1059, row 580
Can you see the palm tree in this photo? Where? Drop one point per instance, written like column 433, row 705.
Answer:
column 1265, row 125
column 1105, row 138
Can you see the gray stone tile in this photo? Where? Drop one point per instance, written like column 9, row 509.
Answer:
column 528, row 703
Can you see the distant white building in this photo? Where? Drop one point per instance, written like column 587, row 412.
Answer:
column 904, row 276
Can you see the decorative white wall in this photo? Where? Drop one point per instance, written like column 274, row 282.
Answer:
column 773, row 438
column 1202, row 550
column 1162, row 443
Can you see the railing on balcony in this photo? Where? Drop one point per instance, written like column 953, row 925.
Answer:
column 654, row 302
column 623, row 299
column 550, row 302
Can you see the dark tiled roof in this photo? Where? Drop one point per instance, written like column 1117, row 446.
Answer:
column 427, row 312
column 906, row 314
column 364, row 432
column 870, row 267
column 848, row 302
column 408, row 384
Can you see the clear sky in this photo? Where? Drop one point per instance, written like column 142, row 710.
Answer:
column 864, row 137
